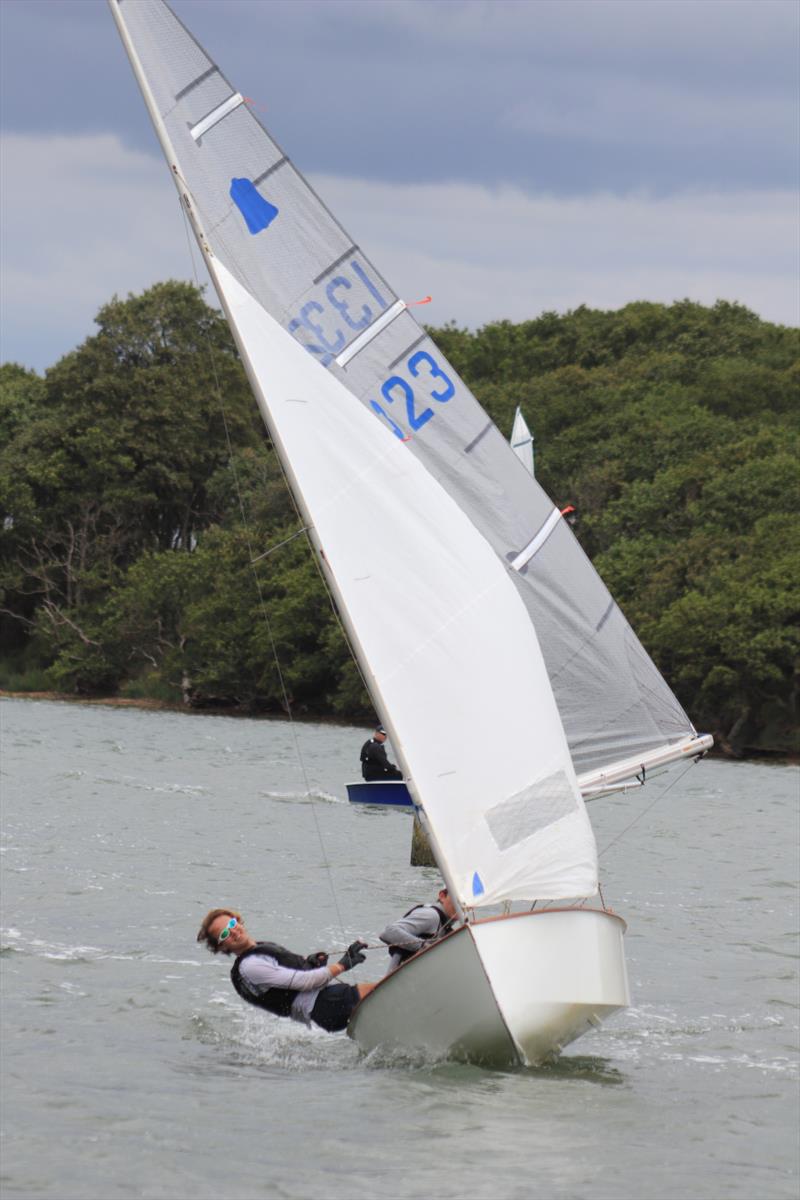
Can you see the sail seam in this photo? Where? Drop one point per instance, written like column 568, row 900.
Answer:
column 469, row 448
column 195, row 83
column 269, row 171
column 614, row 717
column 407, row 350
column 370, row 334
column 536, row 542
column 216, row 115
column 605, row 616
column 334, row 265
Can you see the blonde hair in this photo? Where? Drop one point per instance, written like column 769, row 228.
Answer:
column 204, row 935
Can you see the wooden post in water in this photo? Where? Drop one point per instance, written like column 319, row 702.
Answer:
column 421, row 853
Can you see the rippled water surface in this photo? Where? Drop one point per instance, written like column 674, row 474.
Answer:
column 132, row 1069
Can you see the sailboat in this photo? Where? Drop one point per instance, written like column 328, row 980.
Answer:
column 510, row 684
column 522, row 441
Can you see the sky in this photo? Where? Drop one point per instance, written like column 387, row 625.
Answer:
column 506, row 157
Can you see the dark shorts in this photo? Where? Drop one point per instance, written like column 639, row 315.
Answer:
column 334, row 1006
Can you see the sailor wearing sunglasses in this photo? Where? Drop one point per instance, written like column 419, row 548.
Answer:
column 281, row 982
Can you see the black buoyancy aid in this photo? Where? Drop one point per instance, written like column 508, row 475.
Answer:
column 403, row 952
column 275, row 1000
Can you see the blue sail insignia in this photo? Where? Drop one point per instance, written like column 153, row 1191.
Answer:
column 257, row 212
column 477, row 885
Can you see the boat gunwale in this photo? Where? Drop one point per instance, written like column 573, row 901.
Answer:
column 541, row 912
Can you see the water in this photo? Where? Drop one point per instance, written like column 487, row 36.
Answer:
column 132, row 1069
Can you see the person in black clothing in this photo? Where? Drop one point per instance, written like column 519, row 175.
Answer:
column 281, row 982
column 374, row 763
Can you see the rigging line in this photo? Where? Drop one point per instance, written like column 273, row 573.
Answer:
column 644, row 811
column 285, row 542
column 262, row 602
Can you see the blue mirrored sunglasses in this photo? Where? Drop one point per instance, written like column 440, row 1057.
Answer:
column 227, row 931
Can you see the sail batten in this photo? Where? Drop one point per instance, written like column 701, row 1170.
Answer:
column 216, row 115
column 369, row 334
column 539, row 538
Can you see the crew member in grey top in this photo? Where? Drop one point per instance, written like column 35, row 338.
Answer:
column 421, row 925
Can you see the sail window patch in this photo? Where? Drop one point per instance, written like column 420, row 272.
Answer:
column 531, row 810
column 215, row 116
column 257, row 212
column 370, row 334
column 524, row 557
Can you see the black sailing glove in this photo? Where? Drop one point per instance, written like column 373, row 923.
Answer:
column 353, row 955
column 318, row 959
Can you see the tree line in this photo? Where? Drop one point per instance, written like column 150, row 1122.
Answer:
column 134, row 503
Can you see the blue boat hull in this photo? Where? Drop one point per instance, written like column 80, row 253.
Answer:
column 385, row 792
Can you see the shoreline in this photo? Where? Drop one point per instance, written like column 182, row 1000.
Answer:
column 787, row 757
column 153, row 705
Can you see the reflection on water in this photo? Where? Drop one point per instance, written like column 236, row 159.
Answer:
column 593, row 1070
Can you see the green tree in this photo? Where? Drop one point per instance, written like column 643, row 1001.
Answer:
column 112, row 454
column 148, row 539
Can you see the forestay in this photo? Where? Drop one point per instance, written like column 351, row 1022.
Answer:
column 278, row 240
column 439, row 628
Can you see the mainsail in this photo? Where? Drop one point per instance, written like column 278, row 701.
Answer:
column 280, row 243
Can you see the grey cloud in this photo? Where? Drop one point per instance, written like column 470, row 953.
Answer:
column 572, row 97
column 482, row 253
column 119, row 229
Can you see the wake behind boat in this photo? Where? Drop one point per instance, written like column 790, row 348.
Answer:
column 456, row 578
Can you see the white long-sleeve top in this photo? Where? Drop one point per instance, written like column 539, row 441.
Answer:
column 262, row 972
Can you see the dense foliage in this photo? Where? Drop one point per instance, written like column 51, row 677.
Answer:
column 137, row 485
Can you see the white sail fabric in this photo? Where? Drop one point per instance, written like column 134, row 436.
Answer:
column 439, row 626
column 276, row 237
column 522, row 441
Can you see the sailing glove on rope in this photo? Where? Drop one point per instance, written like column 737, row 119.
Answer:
column 318, row 959
column 353, row 955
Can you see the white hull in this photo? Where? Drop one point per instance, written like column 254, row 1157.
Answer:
column 505, row 990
